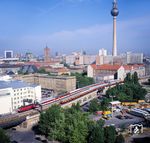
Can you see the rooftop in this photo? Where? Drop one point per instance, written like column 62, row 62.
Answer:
column 105, row 67
column 116, row 67
column 15, row 84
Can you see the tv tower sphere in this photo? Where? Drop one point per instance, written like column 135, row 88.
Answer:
column 114, row 11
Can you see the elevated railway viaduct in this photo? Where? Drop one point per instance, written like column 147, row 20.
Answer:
column 82, row 96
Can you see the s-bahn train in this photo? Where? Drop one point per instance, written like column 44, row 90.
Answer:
column 72, row 95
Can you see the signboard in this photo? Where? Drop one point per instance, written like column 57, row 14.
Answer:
column 136, row 129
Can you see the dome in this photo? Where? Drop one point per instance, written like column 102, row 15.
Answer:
column 114, row 12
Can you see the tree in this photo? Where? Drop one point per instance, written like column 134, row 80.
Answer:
column 104, row 103
column 128, row 78
column 94, row 106
column 96, row 132
column 42, row 70
column 3, row 137
column 135, row 78
column 76, row 126
column 130, row 90
column 76, row 107
column 120, row 139
column 110, row 134
column 82, row 80
column 52, row 123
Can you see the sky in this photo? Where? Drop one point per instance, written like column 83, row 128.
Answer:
column 66, row 26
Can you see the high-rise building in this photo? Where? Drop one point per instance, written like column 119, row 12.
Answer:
column 102, row 52
column 114, row 13
column 8, row 54
column 46, row 54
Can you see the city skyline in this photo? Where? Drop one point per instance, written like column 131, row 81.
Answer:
column 72, row 25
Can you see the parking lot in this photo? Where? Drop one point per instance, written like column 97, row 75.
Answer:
column 118, row 120
column 47, row 93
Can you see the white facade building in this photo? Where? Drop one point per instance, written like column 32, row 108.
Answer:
column 8, row 54
column 102, row 52
column 14, row 92
column 80, row 59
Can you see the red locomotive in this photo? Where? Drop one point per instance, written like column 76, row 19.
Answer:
column 26, row 108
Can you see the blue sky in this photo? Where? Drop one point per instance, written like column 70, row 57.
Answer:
column 71, row 25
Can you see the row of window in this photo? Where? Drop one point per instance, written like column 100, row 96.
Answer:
column 22, row 93
column 21, row 89
column 23, row 97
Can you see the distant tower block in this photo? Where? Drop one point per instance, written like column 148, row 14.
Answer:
column 114, row 13
column 46, row 54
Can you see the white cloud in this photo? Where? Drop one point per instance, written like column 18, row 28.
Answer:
column 133, row 35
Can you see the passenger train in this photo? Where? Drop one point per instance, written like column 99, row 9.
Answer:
column 72, row 95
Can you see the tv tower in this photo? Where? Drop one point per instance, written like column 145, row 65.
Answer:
column 114, row 13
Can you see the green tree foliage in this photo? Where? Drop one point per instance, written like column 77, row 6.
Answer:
column 96, row 132
column 68, row 126
column 52, row 123
column 110, row 134
column 3, row 137
column 135, row 78
column 130, row 90
column 76, row 125
column 82, row 80
column 128, row 78
column 120, row 139
column 104, row 103
column 95, row 105
column 42, row 70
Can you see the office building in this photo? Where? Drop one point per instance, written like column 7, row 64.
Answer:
column 8, row 54
column 13, row 93
column 56, row 83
